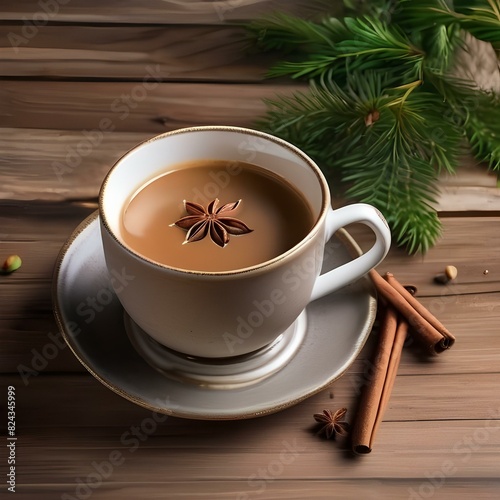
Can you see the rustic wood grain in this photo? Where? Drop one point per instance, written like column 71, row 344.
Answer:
column 278, row 489
column 156, row 11
column 227, row 455
column 132, row 106
column 88, row 81
column 275, row 488
column 181, row 52
column 473, row 188
column 176, row 449
column 478, row 266
column 422, row 397
column 45, row 164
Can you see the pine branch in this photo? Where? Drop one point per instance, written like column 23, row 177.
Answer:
column 375, row 44
column 441, row 44
column 401, row 180
column 481, row 18
column 383, row 111
column 334, row 46
column 381, row 142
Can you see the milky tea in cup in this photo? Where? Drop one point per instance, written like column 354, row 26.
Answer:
column 222, row 231
column 256, row 216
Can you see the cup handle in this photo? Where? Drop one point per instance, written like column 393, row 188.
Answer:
column 353, row 270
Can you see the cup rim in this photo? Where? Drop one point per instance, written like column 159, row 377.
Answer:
column 220, row 128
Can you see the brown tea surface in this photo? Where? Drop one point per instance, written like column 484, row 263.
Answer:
column 276, row 212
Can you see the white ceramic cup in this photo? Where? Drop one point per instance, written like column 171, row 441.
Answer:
column 224, row 314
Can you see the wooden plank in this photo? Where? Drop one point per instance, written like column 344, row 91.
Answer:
column 472, row 188
column 35, row 344
column 27, row 326
column 185, row 52
column 461, row 246
column 150, row 11
column 38, row 224
column 475, row 350
column 472, row 173
column 144, row 106
column 463, row 199
column 399, row 454
column 276, row 488
column 421, row 397
column 234, row 450
column 56, row 165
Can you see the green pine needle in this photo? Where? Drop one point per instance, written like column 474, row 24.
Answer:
column 381, row 142
column 334, row 45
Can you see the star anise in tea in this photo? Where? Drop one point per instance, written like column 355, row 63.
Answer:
column 332, row 423
column 212, row 221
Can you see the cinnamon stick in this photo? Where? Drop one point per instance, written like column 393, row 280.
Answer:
column 449, row 339
column 375, row 396
column 434, row 340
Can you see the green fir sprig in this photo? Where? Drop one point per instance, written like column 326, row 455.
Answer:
column 383, row 110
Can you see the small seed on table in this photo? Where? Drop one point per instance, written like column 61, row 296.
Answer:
column 450, row 273
column 11, row 264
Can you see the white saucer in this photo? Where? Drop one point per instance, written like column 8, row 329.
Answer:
column 319, row 350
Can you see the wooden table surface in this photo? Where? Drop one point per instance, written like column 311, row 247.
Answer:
column 141, row 68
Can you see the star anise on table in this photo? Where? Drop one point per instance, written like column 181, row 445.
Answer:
column 212, row 221
column 332, row 423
